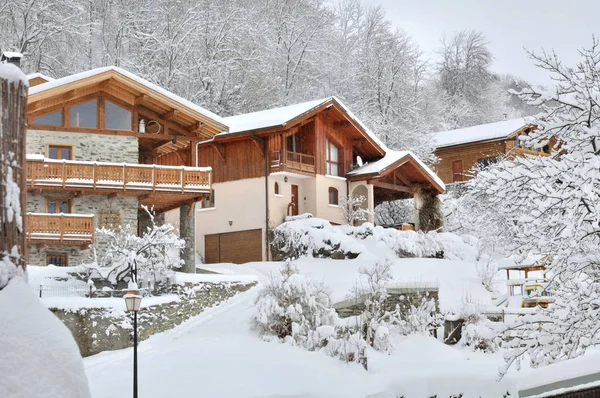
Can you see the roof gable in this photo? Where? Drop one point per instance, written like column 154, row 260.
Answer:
column 482, row 132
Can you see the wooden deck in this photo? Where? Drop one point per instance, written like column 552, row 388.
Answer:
column 293, row 161
column 68, row 174
column 60, row 229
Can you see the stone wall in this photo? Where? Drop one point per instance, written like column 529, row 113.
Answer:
column 36, row 203
column 86, row 147
column 403, row 297
column 103, row 329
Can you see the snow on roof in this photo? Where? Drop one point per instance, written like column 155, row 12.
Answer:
column 41, row 76
column 12, row 73
column 482, row 132
column 83, row 75
column 270, row 117
column 389, row 159
column 12, row 54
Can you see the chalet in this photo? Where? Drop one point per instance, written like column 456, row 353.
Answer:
column 101, row 144
column 461, row 152
column 303, row 158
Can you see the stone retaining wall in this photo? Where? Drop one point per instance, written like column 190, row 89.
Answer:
column 103, row 329
column 403, row 297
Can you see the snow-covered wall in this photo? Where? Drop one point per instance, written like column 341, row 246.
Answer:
column 88, row 147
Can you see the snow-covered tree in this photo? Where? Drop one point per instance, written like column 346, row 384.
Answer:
column 132, row 258
column 354, row 209
column 552, row 205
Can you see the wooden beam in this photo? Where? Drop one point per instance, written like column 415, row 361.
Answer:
column 140, row 100
column 113, row 195
column 170, row 115
column 392, row 187
column 401, row 178
column 259, row 145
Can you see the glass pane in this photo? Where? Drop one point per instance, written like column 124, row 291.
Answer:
column 327, row 150
column 64, row 206
column 85, row 115
column 334, row 170
column 116, row 118
column 53, row 152
column 334, row 153
column 65, row 153
column 51, row 119
column 329, row 168
column 52, row 207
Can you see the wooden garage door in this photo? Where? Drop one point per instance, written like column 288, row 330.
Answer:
column 233, row 247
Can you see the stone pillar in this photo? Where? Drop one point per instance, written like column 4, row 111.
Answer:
column 429, row 215
column 187, row 232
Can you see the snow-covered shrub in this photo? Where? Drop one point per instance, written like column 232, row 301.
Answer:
column 293, row 306
column 353, row 209
column 128, row 256
column 344, row 343
column 481, row 334
column 421, row 319
column 486, row 269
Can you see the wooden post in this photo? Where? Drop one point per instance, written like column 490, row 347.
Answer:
column 13, row 107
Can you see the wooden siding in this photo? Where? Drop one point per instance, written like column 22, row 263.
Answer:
column 469, row 154
column 232, row 161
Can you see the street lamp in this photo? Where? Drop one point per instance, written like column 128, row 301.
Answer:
column 133, row 299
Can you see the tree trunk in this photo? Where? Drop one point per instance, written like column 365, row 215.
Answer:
column 187, row 232
column 13, row 104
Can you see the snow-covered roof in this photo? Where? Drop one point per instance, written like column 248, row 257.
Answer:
column 12, row 54
column 482, row 132
column 391, row 157
column 84, row 75
column 40, row 75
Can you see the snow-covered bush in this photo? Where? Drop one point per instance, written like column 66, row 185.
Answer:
column 293, row 306
column 353, row 209
column 129, row 256
column 481, row 334
column 421, row 319
column 344, row 343
column 486, row 269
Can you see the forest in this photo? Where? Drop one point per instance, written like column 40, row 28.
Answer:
column 238, row 56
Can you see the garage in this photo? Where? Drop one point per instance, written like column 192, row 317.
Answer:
column 233, row 247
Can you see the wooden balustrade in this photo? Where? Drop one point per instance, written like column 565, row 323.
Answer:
column 293, row 161
column 73, row 174
column 70, row 229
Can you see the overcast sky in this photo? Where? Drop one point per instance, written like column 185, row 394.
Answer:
column 509, row 25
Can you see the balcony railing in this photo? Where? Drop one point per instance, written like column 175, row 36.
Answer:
column 97, row 175
column 64, row 229
column 293, row 161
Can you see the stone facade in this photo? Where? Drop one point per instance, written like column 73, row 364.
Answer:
column 127, row 205
column 86, row 147
column 102, row 329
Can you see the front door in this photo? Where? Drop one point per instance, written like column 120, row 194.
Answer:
column 295, row 200
column 457, row 171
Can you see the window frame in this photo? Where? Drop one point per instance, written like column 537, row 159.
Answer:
column 334, row 194
column 99, row 124
column 64, row 256
column 62, row 118
column 276, row 188
column 60, row 147
column 329, row 162
column 58, row 200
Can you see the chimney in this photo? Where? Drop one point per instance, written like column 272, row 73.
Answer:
column 11, row 57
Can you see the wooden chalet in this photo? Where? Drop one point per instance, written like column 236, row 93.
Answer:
column 101, row 145
column 461, row 152
column 303, row 158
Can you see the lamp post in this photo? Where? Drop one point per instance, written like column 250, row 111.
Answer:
column 133, row 299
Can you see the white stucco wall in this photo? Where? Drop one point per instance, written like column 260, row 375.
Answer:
column 278, row 204
column 370, row 197
column 324, row 209
column 241, row 201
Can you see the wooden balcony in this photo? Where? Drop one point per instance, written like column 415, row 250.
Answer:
column 59, row 229
column 292, row 161
column 117, row 176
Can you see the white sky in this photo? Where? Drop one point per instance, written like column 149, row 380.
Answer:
column 509, row 25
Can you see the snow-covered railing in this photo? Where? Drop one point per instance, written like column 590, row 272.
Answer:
column 72, row 229
column 293, row 161
column 42, row 172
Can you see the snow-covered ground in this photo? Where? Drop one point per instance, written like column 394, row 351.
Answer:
column 217, row 355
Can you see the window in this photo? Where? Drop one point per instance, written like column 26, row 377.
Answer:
column 55, row 206
column 51, row 119
column 333, row 196
column 276, row 188
column 292, row 142
column 333, row 159
column 58, row 259
column 116, row 117
column 110, row 219
column 84, row 115
column 484, row 163
column 60, row 152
